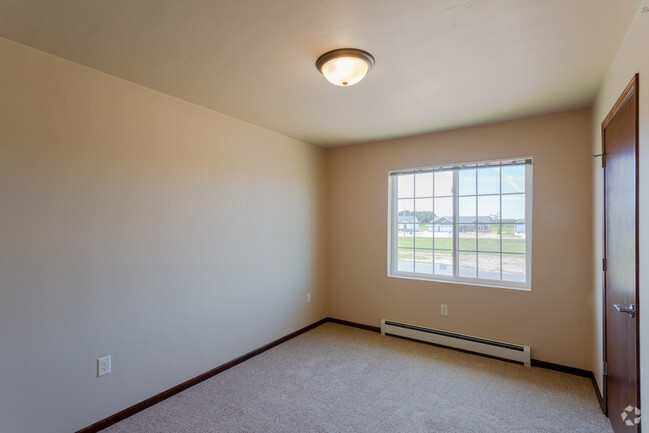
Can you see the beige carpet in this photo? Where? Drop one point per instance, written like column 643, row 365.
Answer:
column 341, row 379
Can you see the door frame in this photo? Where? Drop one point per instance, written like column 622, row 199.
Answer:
column 631, row 88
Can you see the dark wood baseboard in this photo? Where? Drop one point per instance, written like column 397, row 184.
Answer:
column 576, row 371
column 562, row 368
column 354, row 324
column 535, row 362
column 599, row 394
column 107, row 422
column 113, row 419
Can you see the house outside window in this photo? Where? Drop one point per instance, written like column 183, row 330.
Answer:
column 465, row 223
column 407, row 223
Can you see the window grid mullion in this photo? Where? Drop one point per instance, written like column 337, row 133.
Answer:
column 394, row 248
column 393, row 265
column 456, row 210
column 500, row 231
column 432, row 179
column 396, row 214
column 414, row 226
column 477, row 246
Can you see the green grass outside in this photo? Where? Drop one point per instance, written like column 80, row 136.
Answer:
column 508, row 229
column 512, row 263
column 509, row 245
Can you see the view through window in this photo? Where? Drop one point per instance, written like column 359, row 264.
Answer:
column 466, row 223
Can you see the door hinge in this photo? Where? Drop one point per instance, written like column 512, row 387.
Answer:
column 604, row 161
column 605, row 368
column 604, row 264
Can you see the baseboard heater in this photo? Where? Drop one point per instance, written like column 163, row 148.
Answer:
column 498, row 349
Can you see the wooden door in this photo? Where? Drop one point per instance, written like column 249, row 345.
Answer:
column 621, row 315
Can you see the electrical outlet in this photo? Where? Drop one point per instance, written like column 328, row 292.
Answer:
column 444, row 310
column 308, row 298
column 103, row 366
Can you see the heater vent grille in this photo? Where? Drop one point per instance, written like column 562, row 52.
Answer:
column 470, row 343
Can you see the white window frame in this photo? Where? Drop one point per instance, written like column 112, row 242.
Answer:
column 393, row 238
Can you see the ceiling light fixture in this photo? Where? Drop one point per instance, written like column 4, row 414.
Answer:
column 345, row 66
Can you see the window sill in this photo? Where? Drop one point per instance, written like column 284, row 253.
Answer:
column 464, row 282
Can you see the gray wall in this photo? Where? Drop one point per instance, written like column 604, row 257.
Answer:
column 138, row 225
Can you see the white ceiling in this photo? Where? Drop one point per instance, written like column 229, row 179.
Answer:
column 440, row 64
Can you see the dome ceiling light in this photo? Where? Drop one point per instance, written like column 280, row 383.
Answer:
column 345, row 66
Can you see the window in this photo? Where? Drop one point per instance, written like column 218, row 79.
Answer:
column 466, row 223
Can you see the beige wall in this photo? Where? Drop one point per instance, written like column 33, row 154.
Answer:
column 631, row 58
column 135, row 224
column 554, row 318
column 175, row 238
